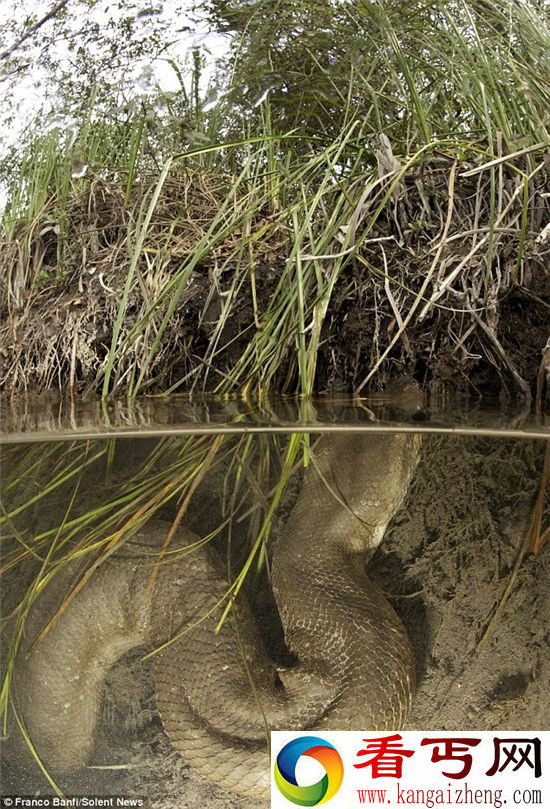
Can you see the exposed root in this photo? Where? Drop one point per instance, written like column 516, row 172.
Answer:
column 437, row 280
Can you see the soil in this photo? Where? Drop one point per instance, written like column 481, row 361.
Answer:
column 484, row 333
column 445, row 563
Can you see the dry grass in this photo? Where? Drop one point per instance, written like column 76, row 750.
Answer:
column 410, row 265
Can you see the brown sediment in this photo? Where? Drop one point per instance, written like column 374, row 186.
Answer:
column 480, row 324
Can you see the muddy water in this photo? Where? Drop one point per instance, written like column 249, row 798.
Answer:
column 444, row 564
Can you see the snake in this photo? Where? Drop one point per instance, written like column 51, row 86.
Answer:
column 219, row 693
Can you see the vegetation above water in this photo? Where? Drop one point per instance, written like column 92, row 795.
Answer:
column 359, row 193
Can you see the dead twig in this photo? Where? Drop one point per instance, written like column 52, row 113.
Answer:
column 518, row 379
column 536, row 535
column 425, row 283
column 533, row 542
column 34, row 28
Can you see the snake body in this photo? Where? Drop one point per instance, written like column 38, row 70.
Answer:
column 355, row 667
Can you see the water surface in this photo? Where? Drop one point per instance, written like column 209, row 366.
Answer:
column 74, row 472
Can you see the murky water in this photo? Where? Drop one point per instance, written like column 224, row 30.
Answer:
column 445, row 564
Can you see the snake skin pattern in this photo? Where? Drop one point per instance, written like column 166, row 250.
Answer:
column 355, row 667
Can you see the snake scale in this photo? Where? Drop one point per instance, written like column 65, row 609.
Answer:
column 354, row 667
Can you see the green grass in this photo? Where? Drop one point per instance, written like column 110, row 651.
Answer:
column 398, row 188
column 468, row 80
column 87, row 511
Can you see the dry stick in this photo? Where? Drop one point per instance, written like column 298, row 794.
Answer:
column 488, row 630
column 72, row 373
column 33, row 29
column 393, row 304
column 506, row 594
column 532, row 543
column 519, row 380
column 425, row 283
column 543, row 377
column 538, row 538
column 458, row 269
column 505, row 159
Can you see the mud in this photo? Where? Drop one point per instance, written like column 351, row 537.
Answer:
column 445, row 564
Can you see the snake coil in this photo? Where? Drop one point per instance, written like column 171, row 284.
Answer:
column 355, row 666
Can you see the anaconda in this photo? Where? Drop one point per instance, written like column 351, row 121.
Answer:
column 354, row 670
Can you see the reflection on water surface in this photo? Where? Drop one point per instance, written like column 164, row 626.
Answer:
column 48, row 418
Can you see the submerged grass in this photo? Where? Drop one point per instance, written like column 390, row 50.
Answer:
column 279, row 256
column 87, row 533
column 87, row 516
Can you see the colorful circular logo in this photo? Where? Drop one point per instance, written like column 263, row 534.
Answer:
column 285, row 771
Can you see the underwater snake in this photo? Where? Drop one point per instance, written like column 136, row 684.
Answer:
column 354, row 670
